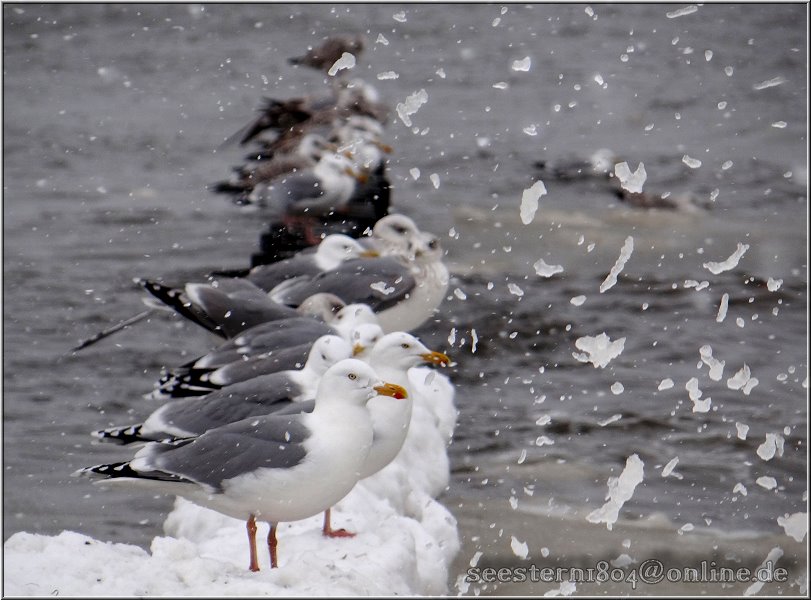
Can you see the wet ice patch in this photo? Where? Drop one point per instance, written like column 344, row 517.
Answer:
column 631, row 181
column 730, row 263
column 625, row 253
column 529, row 201
column 620, row 490
column 599, row 350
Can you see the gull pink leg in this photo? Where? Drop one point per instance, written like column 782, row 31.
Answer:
column 272, row 546
column 330, row 532
column 251, row 526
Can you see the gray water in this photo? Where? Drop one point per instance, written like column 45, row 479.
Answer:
column 114, row 117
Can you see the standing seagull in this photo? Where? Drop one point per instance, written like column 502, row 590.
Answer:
column 391, row 357
column 333, row 250
column 273, row 468
column 260, row 395
column 403, row 294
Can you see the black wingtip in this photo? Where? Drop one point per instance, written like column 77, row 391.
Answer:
column 120, row 435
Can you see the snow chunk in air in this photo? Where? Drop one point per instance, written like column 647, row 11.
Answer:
column 347, row 61
column 529, row 201
column 716, row 366
column 520, row 549
column 522, row 65
column 742, row 380
column 719, row 267
column 629, row 181
column 620, row 490
column 795, row 526
column 598, row 350
column 411, row 105
column 773, row 446
column 545, row 270
column 625, row 254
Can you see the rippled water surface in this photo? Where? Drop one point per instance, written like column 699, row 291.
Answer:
column 113, row 120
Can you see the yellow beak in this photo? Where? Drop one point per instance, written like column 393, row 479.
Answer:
column 436, row 358
column 391, row 389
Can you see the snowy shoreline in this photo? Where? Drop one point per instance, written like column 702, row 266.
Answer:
column 405, row 544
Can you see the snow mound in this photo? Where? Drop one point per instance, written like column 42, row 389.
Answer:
column 404, row 545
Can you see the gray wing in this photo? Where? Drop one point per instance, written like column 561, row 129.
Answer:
column 265, row 338
column 279, row 360
column 194, row 416
column 302, row 186
column 267, row 277
column 295, row 408
column 378, row 282
column 275, row 442
column 233, row 314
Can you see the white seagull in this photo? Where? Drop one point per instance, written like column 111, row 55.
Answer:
column 403, row 293
column 274, row 468
column 260, row 395
column 265, row 348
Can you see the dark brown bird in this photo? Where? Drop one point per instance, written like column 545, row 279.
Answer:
column 324, row 56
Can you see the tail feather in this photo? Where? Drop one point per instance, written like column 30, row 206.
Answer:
column 184, row 383
column 177, row 300
column 124, row 470
column 121, row 435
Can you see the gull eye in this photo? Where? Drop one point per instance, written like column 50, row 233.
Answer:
column 399, row 229
column 405, row 345
column 352, row 376
column 433, row 244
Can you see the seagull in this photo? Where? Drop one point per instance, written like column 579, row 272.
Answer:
column 260, row 395
column 324, row 56
column 300, row 198
column 229, row 306
column 274, row 468
column 394, row 234
column 403, row 294
column 260, row 349
column 296, row 152
column 333, row 250
column 191, row 380
column 392, row 357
